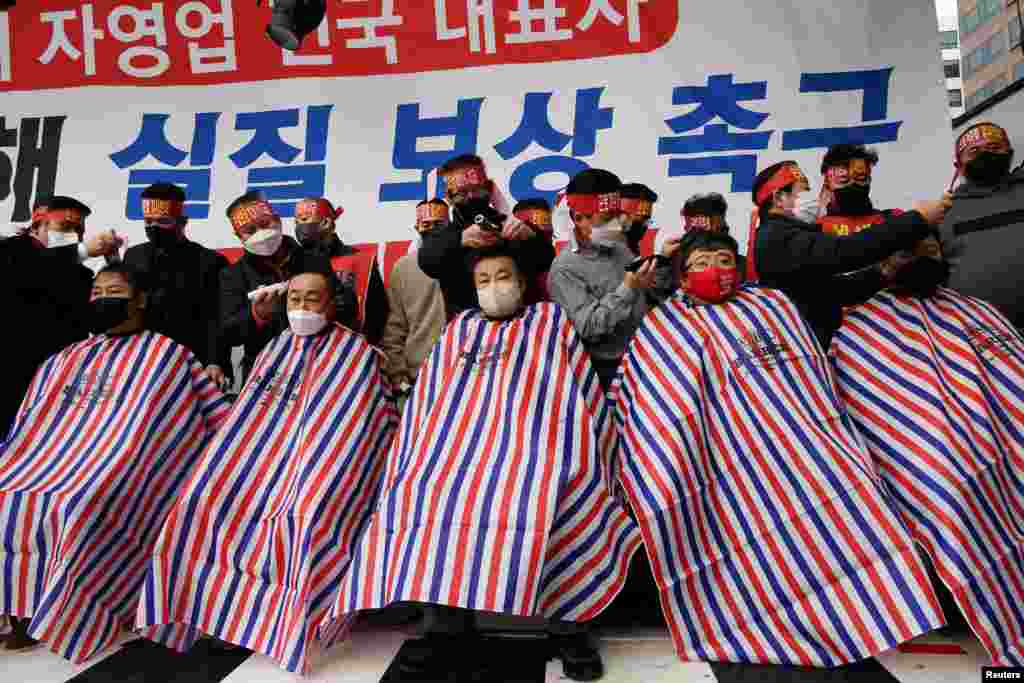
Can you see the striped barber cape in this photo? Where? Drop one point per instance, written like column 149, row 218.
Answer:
column 107, row 437
column 497, row 494
column 254, row 551
column 770, row 536
column 936, row 387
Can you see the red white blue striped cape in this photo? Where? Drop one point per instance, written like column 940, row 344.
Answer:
column 936, row 387
column 255, row 549
column 106, row 439
column 770, row 535
column 497, row 496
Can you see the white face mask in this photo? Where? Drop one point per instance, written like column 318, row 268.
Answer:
column 264, row 242
column 803, row 207
column 500, row 299
column 306, row 323
column 56, row 239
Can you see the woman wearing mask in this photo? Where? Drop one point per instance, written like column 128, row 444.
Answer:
column 500, row 464
column 251, row 310
column 793, row 254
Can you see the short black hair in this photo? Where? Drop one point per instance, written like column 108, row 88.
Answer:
column 60, row 202
column 844, row 153
column 499, row 250
column 164, row 191
column 333, row 284
column 41, row 202
column 712, row 204
column 638, row 191
column 247, row 198
column 435, row 200
column 460, row 161
column 594, row 181
column 766, row 175
column 135, row 278
column 705, row 240
column 532, row 203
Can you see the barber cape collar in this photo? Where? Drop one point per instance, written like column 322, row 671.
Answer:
column 162, row 208
column 431, row 211
column 311, row 210
column 784, row 177
column 591, row 204
column 251, row 212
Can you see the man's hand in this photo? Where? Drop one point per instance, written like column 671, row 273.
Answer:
column 895, row 263
column 671, row 247
column 515, row 229
column 642, row 278
column 216, row 375
column 934, row 211
column 264, row 302
column 103, row 243
column 475, row 237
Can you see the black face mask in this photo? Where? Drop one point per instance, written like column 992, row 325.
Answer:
column 162, row 238
column 636, row 231
column 308, row 234
column 109, row 312
column 472, row 207
column 988, row 168
column 853, row 200
column 921, row 277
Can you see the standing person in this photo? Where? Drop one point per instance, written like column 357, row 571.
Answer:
column 45, row 289
column 983, row 233
column 498, row 485
column 443, row 254
column 106, row 438
column 604, row 300
column 637, row 201
column 251, row 304
column 932, row 380
column 362, row 300
column 415, row 307
column 536, row 213
column 770, row 535
column 796, row 256
column 846, row 196
column 263, row 536
column 181, row 276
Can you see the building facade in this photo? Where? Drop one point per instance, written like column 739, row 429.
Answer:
column 950, row 40
column 992, row 53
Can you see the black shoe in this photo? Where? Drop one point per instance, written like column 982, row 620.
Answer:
column 433, row 654
column 18, row 639
column 580, row 659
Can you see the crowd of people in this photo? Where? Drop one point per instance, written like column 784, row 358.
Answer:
column 811, row 440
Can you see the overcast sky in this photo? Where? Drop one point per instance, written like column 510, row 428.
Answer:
column 945, row 8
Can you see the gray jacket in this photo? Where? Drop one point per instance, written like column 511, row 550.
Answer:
column 588, row 284
column 983, row 240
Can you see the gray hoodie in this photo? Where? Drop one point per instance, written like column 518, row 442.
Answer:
column 983, row 240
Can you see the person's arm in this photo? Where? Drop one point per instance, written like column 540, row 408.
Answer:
column 855, row 288
column 209, row 306
column 594, row 319
column 785, row 250
column 440, row 255
column 377, row 307
column 237, row 322
column 347, row 304
column 396, row 332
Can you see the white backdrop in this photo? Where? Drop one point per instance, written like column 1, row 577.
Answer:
column 754, row 40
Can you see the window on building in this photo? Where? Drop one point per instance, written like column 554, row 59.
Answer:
column 989, row 52
column 949, row 40
column 956, row 98
column 983, row 12
column 952, row 68
column 986, row 91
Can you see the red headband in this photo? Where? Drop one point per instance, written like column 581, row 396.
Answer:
column 65, row 215
column 462, row 178
column 636, row 207
column 784, row 177
column 162, row 208
column 40, row 213
column 698, row 222
column 310, row 210
column 979, row 136
column 251, row 212
column 431, row 211
column 590, row 204
column 538, row 217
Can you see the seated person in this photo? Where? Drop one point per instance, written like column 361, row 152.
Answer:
column 933, row 379
column 770, row 536
column 106, row 439
column 264, row 534
column 498, row 482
